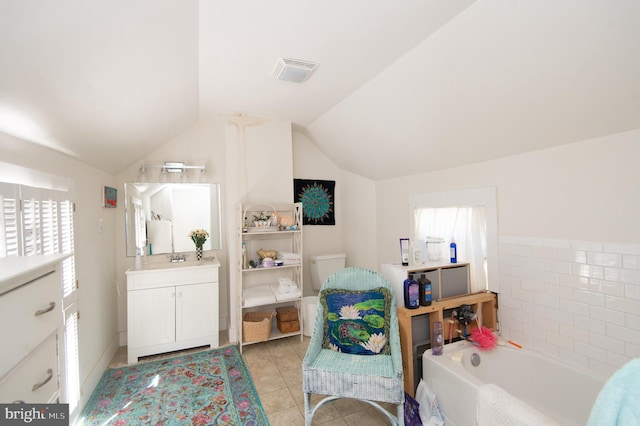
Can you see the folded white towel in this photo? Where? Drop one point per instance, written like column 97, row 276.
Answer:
column 287, row 288
column 286, row 285
column 280, row 297
column 290, row 256
column 255, row 296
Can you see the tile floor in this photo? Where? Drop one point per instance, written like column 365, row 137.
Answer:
column 276, row 370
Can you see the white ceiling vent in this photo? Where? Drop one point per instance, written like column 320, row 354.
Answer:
column 294, row 70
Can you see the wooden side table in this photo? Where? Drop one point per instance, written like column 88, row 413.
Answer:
column 414, row 322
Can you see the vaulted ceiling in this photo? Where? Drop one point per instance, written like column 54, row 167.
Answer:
column 402, row 87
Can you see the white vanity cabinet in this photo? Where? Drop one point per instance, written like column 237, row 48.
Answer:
column 31, row 364
column 172, row 309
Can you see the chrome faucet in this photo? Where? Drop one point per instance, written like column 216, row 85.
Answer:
column 179, row 257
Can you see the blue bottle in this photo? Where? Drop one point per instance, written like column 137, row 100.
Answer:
column 453, row 250
column 411, row 294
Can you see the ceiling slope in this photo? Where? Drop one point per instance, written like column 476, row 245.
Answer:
column 402, row 87
column 501, row 79
column 352, row 41
column 104, row 81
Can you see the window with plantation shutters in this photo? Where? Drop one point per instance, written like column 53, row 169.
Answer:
column 31, row 226
column 50, row 227
column 67, row 246
column 10, row 231
column 71, row 359
column 70, row 302
column 39, row 221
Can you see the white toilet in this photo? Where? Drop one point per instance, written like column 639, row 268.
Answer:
column 323, row 265
column 320, row 267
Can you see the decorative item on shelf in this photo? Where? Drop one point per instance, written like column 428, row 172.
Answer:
column 199, row 237
column 435, row 248
column 267, row 253
column 261, row 220
column 287, row 223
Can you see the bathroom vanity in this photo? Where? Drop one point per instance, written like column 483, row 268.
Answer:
column 172, row 306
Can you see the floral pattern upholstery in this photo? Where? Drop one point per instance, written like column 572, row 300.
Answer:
column 356, row 322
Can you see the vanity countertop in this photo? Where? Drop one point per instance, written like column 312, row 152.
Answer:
column 160, row 266
column 168, row 274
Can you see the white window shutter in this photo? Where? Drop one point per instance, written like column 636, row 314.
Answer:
column 10, row 230
column 31, row 228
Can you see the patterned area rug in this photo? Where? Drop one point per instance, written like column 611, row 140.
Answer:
column 206, row 388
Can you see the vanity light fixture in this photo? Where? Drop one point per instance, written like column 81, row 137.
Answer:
column 179, row 168
column 170, row 167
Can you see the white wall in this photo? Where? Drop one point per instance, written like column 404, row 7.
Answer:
column 360, row 213
column 581, row 192
column 259, row 169
column 310, row 163
column 95, row 252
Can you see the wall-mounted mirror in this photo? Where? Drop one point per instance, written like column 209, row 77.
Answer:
column 160, row 216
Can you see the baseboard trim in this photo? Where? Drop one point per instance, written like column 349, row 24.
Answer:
column 101, row 365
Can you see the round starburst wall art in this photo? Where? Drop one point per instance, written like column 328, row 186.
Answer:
column 317, row 198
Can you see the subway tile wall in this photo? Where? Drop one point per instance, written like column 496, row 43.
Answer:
column 577, row 301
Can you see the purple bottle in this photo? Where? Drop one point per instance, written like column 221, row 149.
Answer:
column 437, row 339
column 411, row 294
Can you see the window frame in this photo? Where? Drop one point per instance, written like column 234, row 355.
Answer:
column 465, row 198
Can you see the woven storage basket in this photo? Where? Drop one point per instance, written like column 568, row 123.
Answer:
column 256, row 326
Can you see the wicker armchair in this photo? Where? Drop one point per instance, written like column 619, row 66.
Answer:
column 370, row 378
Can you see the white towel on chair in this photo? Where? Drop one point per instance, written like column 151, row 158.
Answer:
column 496, row 407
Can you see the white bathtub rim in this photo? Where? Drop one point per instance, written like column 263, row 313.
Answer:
column 462, row 375
column 468, row 347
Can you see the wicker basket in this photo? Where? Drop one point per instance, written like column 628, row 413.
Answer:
column 256, row 326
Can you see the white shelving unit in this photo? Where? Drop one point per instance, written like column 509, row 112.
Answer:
column 447, row 279
column 255, row 282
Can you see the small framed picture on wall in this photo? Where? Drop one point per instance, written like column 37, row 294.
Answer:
column 109, row 197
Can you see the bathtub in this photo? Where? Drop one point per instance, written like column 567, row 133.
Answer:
column 558, row 390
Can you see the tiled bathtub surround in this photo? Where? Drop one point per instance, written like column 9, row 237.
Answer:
column 574, row 300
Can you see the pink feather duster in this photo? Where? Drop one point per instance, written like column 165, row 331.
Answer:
column 484, row 338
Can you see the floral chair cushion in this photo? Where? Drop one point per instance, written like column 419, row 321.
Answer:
column 356, row 322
